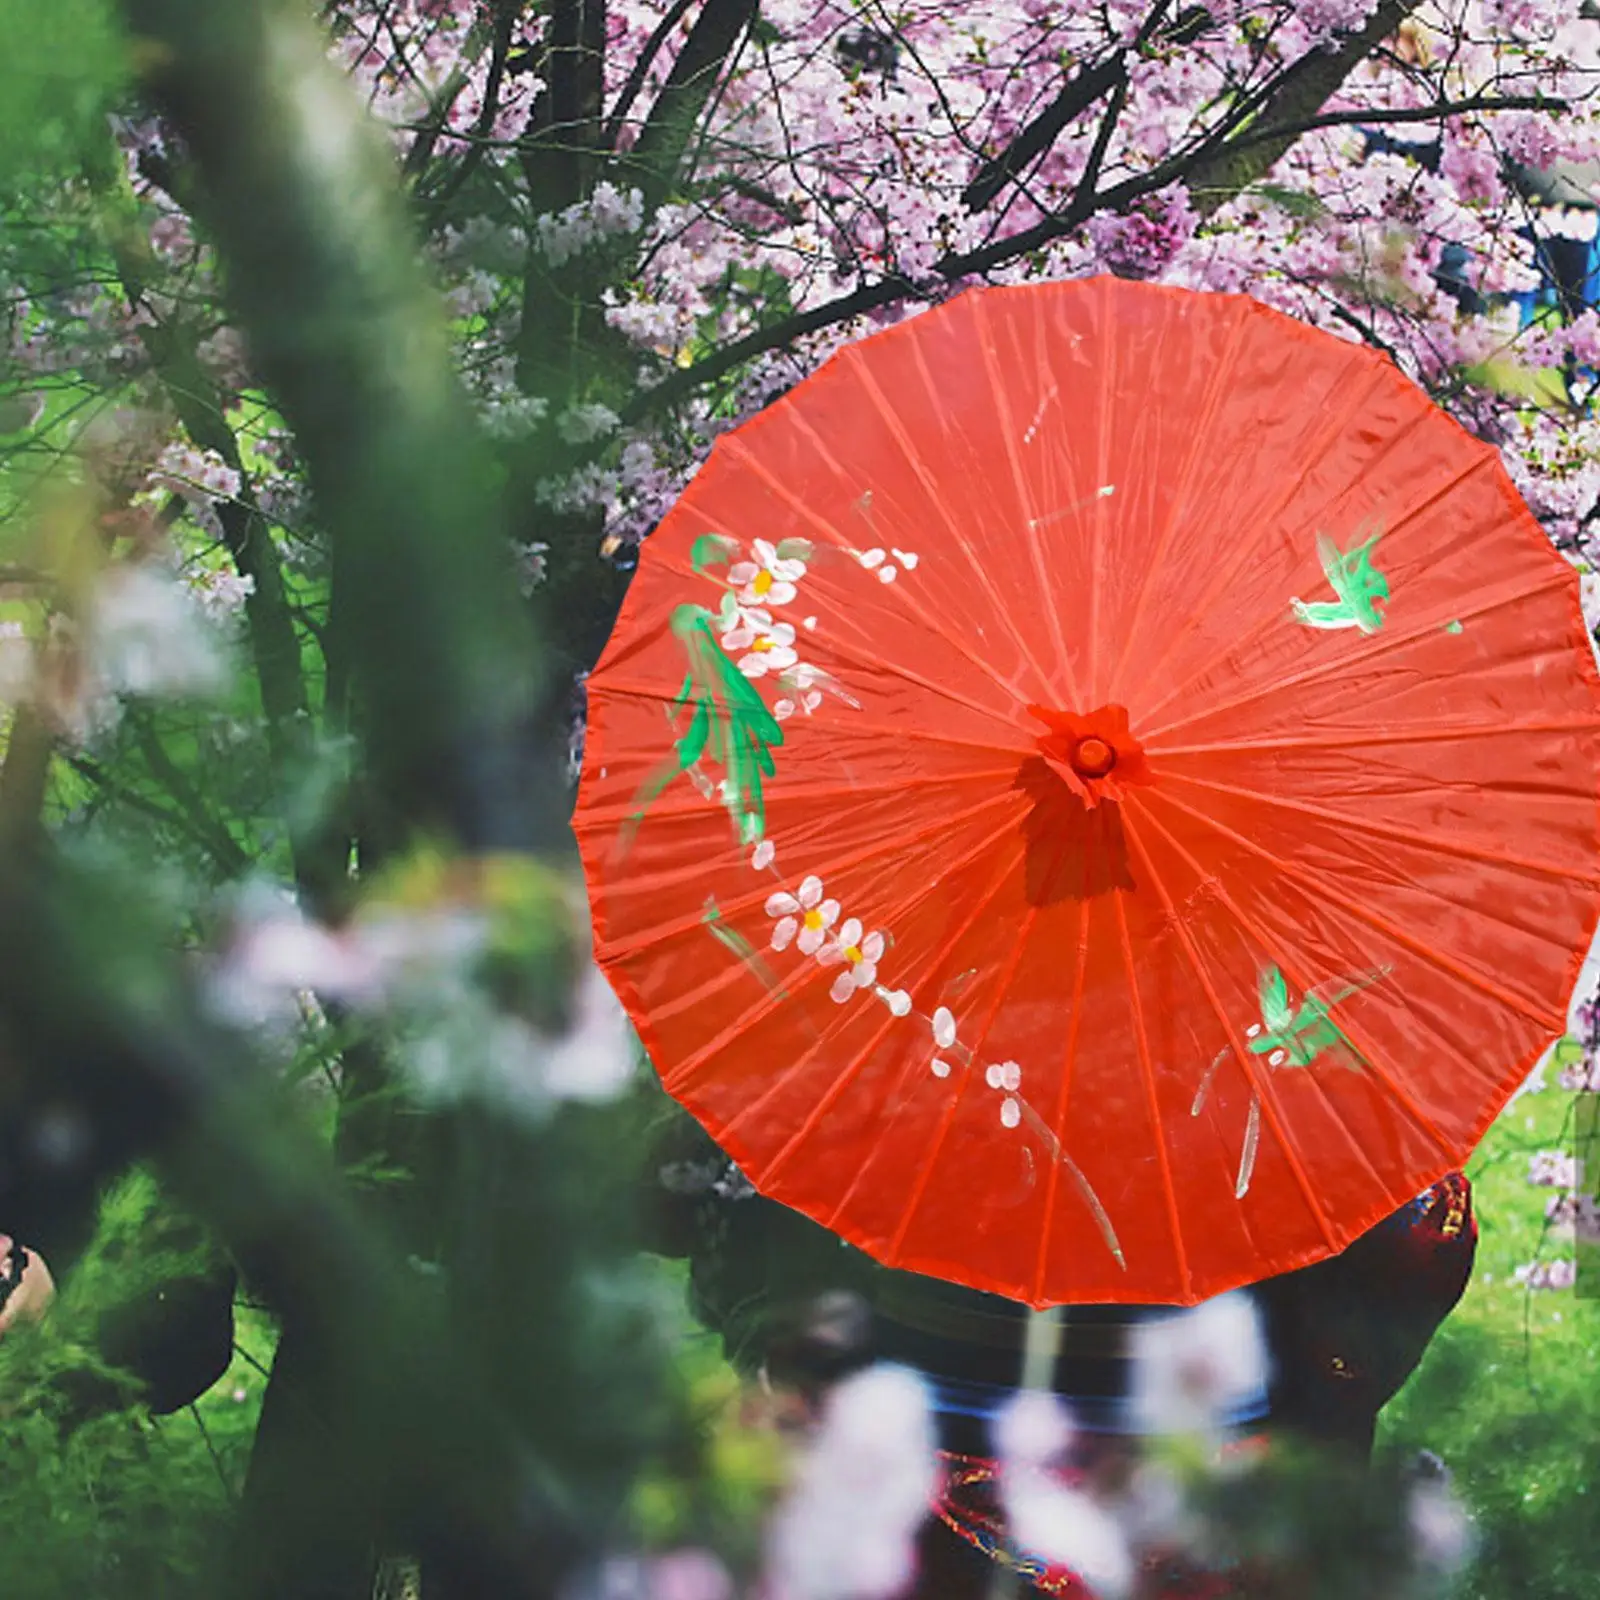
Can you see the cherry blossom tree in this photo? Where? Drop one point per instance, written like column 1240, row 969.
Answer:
column 310, row 546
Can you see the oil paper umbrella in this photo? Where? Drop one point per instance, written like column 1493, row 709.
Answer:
column 1094, row 794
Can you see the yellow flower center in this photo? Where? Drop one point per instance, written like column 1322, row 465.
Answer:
column 813, row 919
column 852, row 954
column 763, row 582
column 763, row 643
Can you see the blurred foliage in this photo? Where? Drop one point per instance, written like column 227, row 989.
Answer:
column 384, row 608
column 62, row 65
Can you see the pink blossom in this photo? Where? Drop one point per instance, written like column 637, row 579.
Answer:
column 1558, row 1274
column 846, row 1529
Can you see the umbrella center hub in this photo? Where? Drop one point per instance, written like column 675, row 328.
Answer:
column 1094, row 753
column 1094, row 757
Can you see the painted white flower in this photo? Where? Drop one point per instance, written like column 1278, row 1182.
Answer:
column 944, row 1027
column 769, row 580
column 1005, row 1075
column 764, row 647
column 860, row 954
column 786, row 707
column 762, row 856
column 803, row 918
column 878, row 561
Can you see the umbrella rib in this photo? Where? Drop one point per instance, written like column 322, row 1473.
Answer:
column 1430, row 842
column 1242, row 645
column 1265, row 942
column 848, row 1075
column 1469, row 977
column 1147, row 1067
column 620, row 811
column 1440, row 734
column 1223, row 578
column 929, row 618
column 758, row 896
column 1097, row 551
column 1197, row 449
column 876, row 665
column 913, row 457
column 1025, row 503
column 695, row 1061
column 1258, row 1084
column 1342, row 663
column 1007, row 978
column 1058, row 1126
column 660, row 696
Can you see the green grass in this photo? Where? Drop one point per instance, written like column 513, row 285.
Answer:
column 1509, row 1393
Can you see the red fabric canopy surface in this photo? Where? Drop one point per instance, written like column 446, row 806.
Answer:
column 1093, row 795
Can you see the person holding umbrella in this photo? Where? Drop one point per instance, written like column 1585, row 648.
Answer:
column 1094, row 800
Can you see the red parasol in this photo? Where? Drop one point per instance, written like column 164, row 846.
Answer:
column 1094, row 794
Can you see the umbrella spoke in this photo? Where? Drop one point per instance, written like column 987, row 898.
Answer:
column 1243, row 644
column 1364, row 738
column 897, row 913
column 1468, row 977
column 1339, row 665
column 1488, row 855
column 877, row 664
column 618, row 949
column 1030, row 519
column 1008, row 976
column 957, row 540
column 1201, row 446
column 1226, row 574
column 1058, row 1126
column 1418, row 1116
column 1258, row 1087
column 1147, row 1067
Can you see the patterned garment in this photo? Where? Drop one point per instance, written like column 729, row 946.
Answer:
column 1345, row 1334
column 968, row 1506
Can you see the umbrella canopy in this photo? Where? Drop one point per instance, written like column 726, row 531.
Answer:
column 1093, row 795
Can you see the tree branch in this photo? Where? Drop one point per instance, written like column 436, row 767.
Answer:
column 24, row 774
column 1036, row 138
column 640, row 71
column 298, row 191
column 1216, row 178
column 274, row 645
column 200, row 830
column 557, row 155
column 506, row 13
column 1437, row 111
column 210, row 829
column 1077, row 95
column 658, row 152
column 1227, row 161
